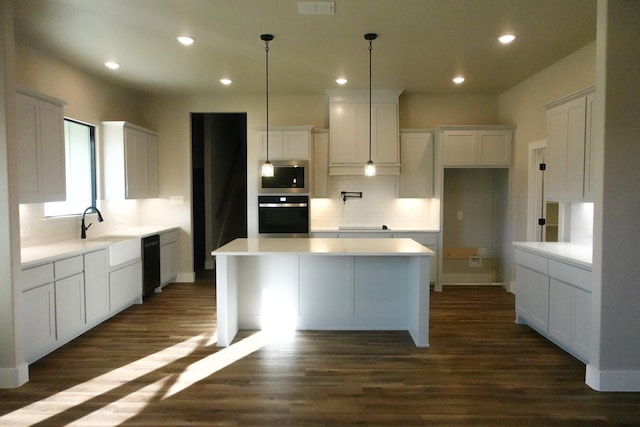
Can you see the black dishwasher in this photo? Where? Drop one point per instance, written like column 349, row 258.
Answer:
column 150, row 264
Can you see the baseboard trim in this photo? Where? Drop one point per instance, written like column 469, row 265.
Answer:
column 186, row 277
column 14, row 377
column 612, row 380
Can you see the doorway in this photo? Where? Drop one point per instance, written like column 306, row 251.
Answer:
column 219, row 177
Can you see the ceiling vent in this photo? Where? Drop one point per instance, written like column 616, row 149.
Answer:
column 316, row 8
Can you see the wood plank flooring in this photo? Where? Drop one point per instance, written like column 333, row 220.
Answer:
column 157, row 364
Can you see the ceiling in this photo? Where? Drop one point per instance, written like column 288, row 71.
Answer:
column 421, row 45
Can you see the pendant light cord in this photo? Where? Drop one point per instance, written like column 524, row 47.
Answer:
column 266, row 52
column 370, row 49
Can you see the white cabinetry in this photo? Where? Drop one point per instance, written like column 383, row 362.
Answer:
column 38, row 311
column 569, row 155
column 41, row 152
column 168, row 256
column 350, row 129
column 96, row 287
column 285, row 143
column 416, row 153
column 320, row 168
column 125, row 286
column 69, row 299
column 488, row 146
column 554, row 298
column 130, row 161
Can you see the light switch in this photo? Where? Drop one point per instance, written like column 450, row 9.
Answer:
column 459, row 215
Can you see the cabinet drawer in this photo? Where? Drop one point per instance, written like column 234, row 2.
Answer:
column 171, row 236
column 534, row 262
column 68, row 267
column 575, row 276
column 36, row 276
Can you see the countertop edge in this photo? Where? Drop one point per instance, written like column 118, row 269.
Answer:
column 565, row 252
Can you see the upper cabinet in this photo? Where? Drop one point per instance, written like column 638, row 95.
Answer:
column 349, row 132
column 41, row 152
column 285, row 143
column 568, row 172
column 320, row 185
column 130, row 161
column 416, row 153
column 487, row 146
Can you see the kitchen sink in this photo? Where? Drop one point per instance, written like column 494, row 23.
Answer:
column 121, row 248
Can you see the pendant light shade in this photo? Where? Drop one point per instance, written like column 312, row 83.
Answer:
column 370, row 167
column 267, row 167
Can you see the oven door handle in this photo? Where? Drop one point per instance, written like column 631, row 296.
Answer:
column 282, row 205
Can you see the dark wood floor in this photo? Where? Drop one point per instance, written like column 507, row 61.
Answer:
column 157, row 364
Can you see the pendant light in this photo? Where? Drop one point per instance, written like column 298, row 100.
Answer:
column 370, row 167
column 267, row 167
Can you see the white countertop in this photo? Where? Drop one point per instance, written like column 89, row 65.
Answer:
column 570, row 252
column 324, row 246
column 372, row 229
column 40, row 254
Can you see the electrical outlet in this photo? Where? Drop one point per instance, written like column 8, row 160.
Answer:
column 459, row 215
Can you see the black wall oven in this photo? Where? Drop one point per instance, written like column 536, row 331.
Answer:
column 283, row 215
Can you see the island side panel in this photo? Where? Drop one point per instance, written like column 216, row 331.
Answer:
column 418, row 307
column 227, row 298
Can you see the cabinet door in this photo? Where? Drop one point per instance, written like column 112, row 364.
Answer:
column 589, row 154
column 53, row 152
column 295, row 144
column 384, row 130
column 459, row 147
column 532, row 297
column 70, row 317
column 275, row 144
column 320, row 164
column 581, row 342
column 96, row 286
column 168, row 262
column 344, row 146
column 125, row 286
column 136, row 167
column 560, row 311
column 416, row 178
column 152, row 165
column 38, row 314
column 27, row 128
column 566, row 144
column 494, row 147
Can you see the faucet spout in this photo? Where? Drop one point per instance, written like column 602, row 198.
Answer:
column 83, row 228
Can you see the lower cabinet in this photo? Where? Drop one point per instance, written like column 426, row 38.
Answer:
column 39, row 320
column 69, row 300
column 96, row 286
column 168, row 257
column 554, row 298
column 125, row 286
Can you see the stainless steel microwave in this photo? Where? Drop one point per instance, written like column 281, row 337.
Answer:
column 289, row 176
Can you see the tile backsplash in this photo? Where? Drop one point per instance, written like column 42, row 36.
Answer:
column 582, row 223
column 377, row 206
column 35, row 229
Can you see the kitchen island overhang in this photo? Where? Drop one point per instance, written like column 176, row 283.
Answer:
column 323, row 284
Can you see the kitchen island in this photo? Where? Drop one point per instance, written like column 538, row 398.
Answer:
column 323, row 284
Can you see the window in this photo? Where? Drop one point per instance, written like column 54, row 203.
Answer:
column 80, row 165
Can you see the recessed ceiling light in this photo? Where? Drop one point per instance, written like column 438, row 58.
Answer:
column 185, row 40
column 225, row 82
column 341, row 81
column 112, row 65
column 457, row 80
column 506, row 38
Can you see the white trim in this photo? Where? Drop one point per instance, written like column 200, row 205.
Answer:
column 612, row 380
column 532, row 215
column 186, row 277
column 14, row 377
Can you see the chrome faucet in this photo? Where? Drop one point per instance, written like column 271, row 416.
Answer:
column 83, row 229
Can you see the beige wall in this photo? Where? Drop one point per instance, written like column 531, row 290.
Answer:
column 523, row 105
